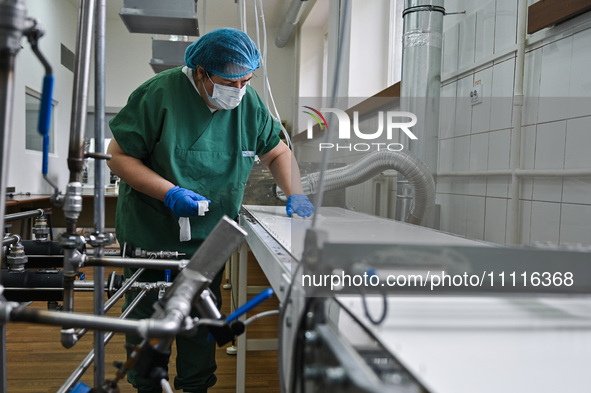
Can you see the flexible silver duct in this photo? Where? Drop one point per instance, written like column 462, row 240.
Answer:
column 414, row 170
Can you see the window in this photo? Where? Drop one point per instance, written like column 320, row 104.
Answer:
column 110, row 112
column 34, row 140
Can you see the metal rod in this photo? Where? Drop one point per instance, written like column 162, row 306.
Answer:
column 116, row 296
column 23, row 215
column 133, row 263
column 6, row 100
column 99, row 186
column 80, row 95
column 11, row 239
column 88, row 360
column 68, row 319
column 12, row 21
column 73, row 199
column 155, row 328
column 119, row 294
column 99, row 123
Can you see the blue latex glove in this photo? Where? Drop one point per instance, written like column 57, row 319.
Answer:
column 183, row 202
column 300, row 205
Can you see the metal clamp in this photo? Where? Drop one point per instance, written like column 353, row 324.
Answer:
column 421, row 8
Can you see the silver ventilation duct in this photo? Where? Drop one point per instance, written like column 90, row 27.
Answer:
column 419, row 178
column 421, row 85
column 174, row 17
column 168, row 54
column 294, row 13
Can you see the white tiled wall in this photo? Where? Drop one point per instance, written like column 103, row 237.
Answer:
column 555, row 135
column 481, row 112
column 478, row 162
column 467, row 47
column 505, row 24
column 485, row 28
column 495, row 220
column 554, row 80
column 580, row 83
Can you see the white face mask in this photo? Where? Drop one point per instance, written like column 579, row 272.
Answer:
column 225, row 97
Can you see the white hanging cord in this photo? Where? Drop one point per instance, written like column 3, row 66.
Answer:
column 244, row 16
column 260, row 315
column 263, row 50
column 203, row 16
column 267, row 93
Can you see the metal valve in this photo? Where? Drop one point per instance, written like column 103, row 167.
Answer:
column 41, row 230
column 17, row 258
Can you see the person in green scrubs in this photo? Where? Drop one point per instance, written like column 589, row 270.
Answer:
column 186, row 135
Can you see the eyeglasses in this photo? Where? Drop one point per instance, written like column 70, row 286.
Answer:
column 237, row 83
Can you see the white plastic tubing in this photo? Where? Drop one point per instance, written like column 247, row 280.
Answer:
column 413, row 169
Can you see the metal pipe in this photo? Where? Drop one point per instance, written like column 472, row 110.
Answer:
column 167, row 327
column 88, row 360
column 86, row 285
column 72, row 204
column 79, row 286
column 24, row 215
column 12, row 24
column 99, row 184
column 116, row 296
column 292, row 18
column 73, row 198
column 80, row 90
column 20, row 314
column 10, row 239
column 514, row 233
column 72, row 261
column 126, row 284
column 421, row 82
column 99, row 123
column 134, row 263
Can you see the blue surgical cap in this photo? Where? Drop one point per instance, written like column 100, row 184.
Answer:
column 226, row 52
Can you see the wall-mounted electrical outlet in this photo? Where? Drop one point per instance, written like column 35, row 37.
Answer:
column 476, row 94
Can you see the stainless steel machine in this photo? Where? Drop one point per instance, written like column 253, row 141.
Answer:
column 373, row 305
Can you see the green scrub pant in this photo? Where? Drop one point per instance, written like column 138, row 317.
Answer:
column 195, row 361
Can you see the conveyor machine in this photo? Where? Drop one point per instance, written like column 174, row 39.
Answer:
column 374, row 305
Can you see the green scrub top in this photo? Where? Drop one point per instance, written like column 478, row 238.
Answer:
column 168, row 126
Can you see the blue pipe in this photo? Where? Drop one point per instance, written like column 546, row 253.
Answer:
column 250, row 304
